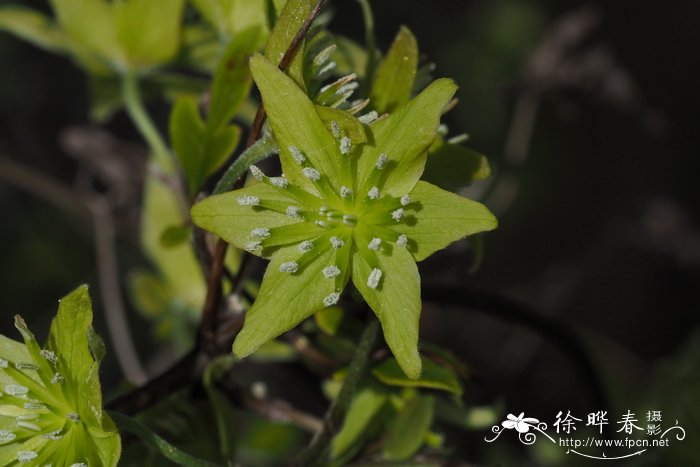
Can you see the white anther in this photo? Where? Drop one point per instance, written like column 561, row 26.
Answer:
column 374, row 277
column 335, row 129
column 293, row 211
column 397, row 215
column 312, row 174
column 260, row 232
column 373, row 193
column 291, row 267
column 49, row 355
column 323, row 56
column 442, row 129
column 328, row 67
column 458, row 139
column 402, row 240
column 253, row 246
column 34, row 406
column 405, row 200
column 374, row 244
column 336, row 242
column 26, row 456
column 279, row 182
column 306, row 245
column 248, row 200
column 28, row 426
column 256, row 173
column 16, row 390
column 349, row 87
column 331, row 271
column 322, row 224
column 26, row 366
column 53, row 435
column 382, row 160
column 369, row 117
column 57, row 378
column 73, row 417
column 27, row 416
column 345, row 145
column 79, row 464
column 7, row 436
column 297, row 155
column 331, row 299
column 345, row 192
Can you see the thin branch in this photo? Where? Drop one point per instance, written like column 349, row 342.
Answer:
column 98, row 212
column 317, row 451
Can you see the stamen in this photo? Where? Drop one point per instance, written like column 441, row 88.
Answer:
column 256, row 173
column 27, row 416
column 331, row 299
column 260, row 232
column 373, row 193
column 4, row 363
column 323, row 56
column 336, row 242
column 26, row 366
column 26, row 456
column 345, row 145
column 306, row 245
column 374, row 244
column 323, row 224
column 297, row 155
column 331, row 271
column 253, row 246
column 49, row 355
column 405, row 200
column 248, row 200
column 369, row 117
column 73, row 416
column 53, row 435
column 374, row 277
column 345, row 192
column 329, row 66
column 279, row 182
column 16, row 390
column 402, row 240
column 335, row 129
column 293, row 211
column 458, row 139
column 34, row 406
column 28, row 426
column 382, row 160
column 350, row 220
column 290, row 267
column 397, row 214
column 442, row 129
column 349, row 87
column 57, row 379
column 312, row 174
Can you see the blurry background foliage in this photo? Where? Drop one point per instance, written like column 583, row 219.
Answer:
column 588, row 114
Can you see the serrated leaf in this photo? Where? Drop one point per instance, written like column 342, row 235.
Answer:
column 366, row 404
column 408, row 430
column 33, row 27
column 290, row 20
column 393, row 81
column 443, row 218
column 434, row 376
column 452, row 167
column 405, row 137
column 349, row 125
column 232, row 80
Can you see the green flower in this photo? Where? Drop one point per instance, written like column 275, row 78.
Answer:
column 51, row 402
column 342, row 211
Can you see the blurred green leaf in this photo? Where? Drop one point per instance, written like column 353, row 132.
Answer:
column 288, row 24
column 409, row 429
column 452, row 167
column 366, row 404
column 393, row 80
column 175, row 235
column 471, row 418
column 223, row 410
column 433, row 376
column 33, row 27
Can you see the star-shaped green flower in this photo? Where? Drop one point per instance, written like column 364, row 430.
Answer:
column 50, row 398
column 342, row 211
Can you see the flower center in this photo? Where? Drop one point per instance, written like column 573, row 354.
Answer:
column 330, row 218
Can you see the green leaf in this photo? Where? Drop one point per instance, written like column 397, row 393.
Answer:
column 396, row 302
column 230, row 17
column 434, row 376
column 295, row 123
column 405, row 137
column 348, row 124
column 148, row 30
column 366, row 404
column 442, row 218
column 409, row 429
column 232, row 80
column 285, row 299
column 166, row 449
column 261, row 149
column 224, row 412
column 175, row 235
column 33, row 27
column 290, row 20
column 393, row 81
column 224, row 216
column 452, row 167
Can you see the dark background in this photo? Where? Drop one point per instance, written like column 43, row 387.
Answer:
column 598, row 219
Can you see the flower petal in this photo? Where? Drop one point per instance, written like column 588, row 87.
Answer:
column 405, row 137
column 287, row 298
column 522, row 427
column 234, row 215
column 395, row 299
column 440, row 218
column 295, row 123
column 508, row 424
